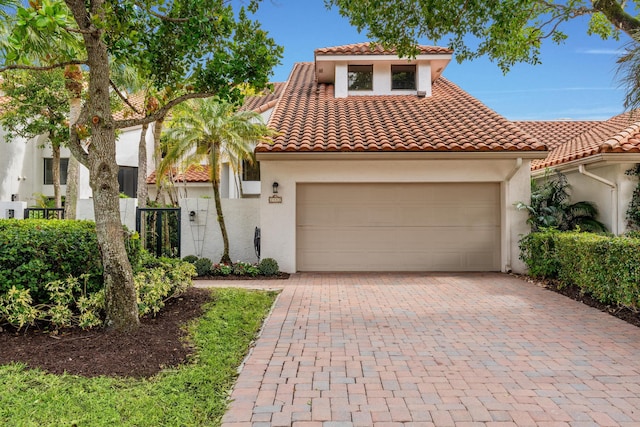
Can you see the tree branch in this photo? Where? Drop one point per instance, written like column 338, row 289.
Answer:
column 618, row 16
column 160, row 16
column 123, row 98
column 42, row 67
column 75, row 142
column 162, row 112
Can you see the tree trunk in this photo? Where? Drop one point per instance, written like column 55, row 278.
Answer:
column 73, row 84
column 120, row 294
column 215, row 180
column 142, row 193
column 55, row 174
column 71, row 195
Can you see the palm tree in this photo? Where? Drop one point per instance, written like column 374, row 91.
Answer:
column 550, row 207
column 203, row 129
column 628, row 72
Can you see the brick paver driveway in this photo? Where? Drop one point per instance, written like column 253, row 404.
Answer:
column 436, row 350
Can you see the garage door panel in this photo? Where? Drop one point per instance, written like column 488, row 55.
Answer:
column 402, row 227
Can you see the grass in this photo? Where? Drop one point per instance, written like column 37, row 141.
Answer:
column 194, row 394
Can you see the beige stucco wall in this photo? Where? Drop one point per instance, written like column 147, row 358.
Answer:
column 202, row 236
column 278, row 221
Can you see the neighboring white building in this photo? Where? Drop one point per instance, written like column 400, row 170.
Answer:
column 25, row 166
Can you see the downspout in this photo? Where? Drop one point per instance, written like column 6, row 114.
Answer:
column 614, row 195
column 507, row 180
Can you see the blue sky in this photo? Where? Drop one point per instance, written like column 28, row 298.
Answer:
column 576, row 80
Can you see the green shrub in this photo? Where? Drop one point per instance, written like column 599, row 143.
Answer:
column 70, row 304
column 203, row 266
column 221, row 270
column 241, row 268
column 190, row 258
column 35, row 252
column 268, row 267
column 538, row 252
column 605, row 267
column 161, row 279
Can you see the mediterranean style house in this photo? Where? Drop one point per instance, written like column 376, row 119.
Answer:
column 380, row 164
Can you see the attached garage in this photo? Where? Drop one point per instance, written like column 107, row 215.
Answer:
column 398, row 227
column 379, row 179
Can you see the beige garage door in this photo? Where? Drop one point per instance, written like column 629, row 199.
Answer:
column 398, row 227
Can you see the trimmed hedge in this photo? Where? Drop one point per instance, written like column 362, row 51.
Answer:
column 36, row 252
column 608, row 268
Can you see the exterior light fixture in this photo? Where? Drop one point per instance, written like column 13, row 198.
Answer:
column 274, row 198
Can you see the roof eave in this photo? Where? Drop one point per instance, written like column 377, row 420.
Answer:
column 603, row 158
column 400, row 155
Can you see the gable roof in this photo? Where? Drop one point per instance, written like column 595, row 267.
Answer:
column 310, row 119
column 620, row 134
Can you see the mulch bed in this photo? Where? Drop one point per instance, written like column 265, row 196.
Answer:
column 157, row 344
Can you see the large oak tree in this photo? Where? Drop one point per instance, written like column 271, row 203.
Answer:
column 506, row 31
column 195, row 48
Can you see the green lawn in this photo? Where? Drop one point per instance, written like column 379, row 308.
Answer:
column 191, row 395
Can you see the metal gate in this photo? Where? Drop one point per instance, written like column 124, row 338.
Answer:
column 159, row 230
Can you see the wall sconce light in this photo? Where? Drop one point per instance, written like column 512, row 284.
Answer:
column 192, row 215
column 275, row 198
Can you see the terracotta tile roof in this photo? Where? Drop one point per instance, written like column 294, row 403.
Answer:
column 620, row 134
column 367, row 48
column 195, row 173
column 556, row 132
column 309, row 119
column 262, row 102
column 126, row 113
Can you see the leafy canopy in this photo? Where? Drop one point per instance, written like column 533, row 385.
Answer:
column 185, row 46
column 35, row 104
column 507, row 31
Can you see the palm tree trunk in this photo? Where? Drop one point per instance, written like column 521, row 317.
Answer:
column 215, row 172
column 157, row 158
column 142, row 192
column 55, row 174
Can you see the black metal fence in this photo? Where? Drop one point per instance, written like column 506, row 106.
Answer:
column 159, row 230
column 44, row 213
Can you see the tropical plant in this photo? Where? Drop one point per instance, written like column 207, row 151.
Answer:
column 204, row 129
column 551, row 208
column 633, row 210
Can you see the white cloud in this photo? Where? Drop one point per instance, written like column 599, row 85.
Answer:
column 602, row 51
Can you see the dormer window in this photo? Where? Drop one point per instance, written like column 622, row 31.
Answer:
column 360, row 77
column 403, row 77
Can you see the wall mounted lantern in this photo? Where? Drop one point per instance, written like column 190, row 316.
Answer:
column 275, row 198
